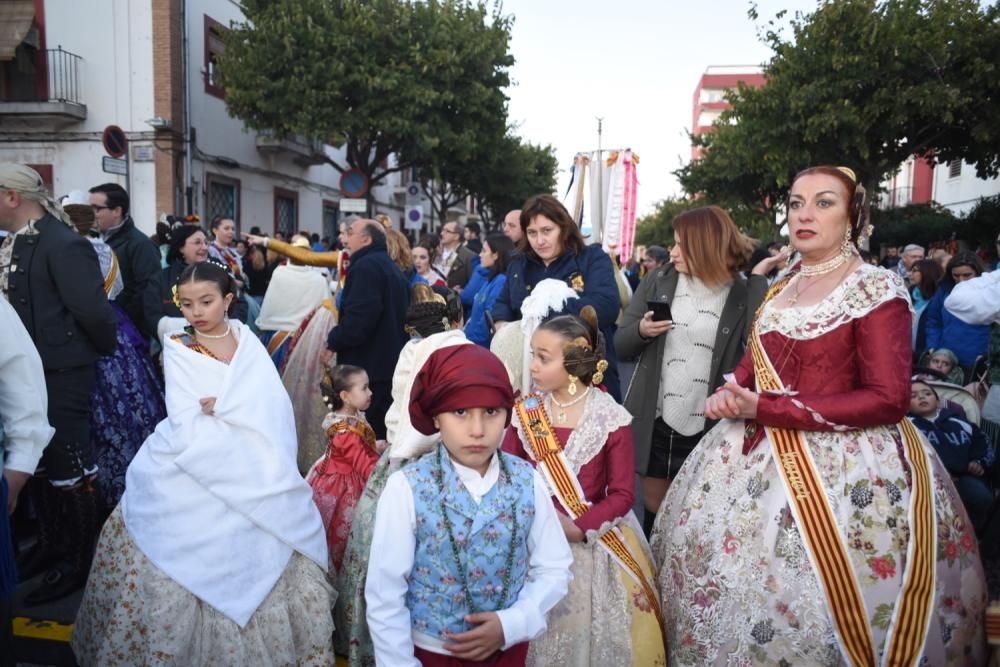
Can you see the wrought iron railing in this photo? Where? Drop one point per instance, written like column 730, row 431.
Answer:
column 63, row 73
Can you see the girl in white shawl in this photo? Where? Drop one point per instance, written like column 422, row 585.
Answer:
column 216, row 553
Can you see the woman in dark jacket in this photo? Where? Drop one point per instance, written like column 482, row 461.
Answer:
column 188, row 245
column 968, row 341
column 552, row 247
column 677, row 370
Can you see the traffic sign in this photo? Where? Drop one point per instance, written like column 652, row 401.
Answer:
column 112, row 165
column 114, row 141
column 354, row 183
column 414, row 217
column 353, row 205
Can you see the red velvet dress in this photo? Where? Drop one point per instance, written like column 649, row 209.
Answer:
column 339, row 477
column 605, row 618
column 736, row 579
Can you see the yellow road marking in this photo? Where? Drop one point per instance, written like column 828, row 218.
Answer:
column 34, row 628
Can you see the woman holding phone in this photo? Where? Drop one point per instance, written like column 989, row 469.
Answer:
column 687, row 325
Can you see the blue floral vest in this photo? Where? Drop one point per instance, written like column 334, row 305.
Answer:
column 435, row 597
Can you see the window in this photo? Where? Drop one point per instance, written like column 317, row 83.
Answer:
column 954, row 169
column 214, row 47
column 331, row 218
column 222, row 198
column 45, row 171
column 286, row 212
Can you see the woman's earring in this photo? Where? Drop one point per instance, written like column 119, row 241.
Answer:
column 845, row 247
column 572, row 385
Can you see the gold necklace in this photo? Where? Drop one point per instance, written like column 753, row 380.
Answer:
column 561, row 414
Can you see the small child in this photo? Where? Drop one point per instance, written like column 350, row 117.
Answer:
column 945, row 362
column 339, row 476
column 467, row 556
column 581, row 440
column 961, row 446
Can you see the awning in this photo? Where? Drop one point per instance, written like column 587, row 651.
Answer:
column 16, row 17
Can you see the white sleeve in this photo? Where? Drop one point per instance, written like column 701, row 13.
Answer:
column 549, row 561
column 23, row 398
column 389, row 564
column 976, row 301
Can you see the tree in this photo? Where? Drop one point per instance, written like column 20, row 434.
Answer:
column 518, row 170
column 863, row 84
column 418, row 80
column 656, row 228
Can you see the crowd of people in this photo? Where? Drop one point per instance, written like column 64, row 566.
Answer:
column 259, row 450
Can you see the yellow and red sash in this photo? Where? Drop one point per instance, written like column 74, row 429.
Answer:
column 825, row 545
column 276, row 341
column 544, row 447
column 109, row 281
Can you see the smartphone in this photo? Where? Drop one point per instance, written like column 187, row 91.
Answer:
column 490, row 323
column 661, row 310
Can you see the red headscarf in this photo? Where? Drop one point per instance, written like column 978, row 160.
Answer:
column 457, row 377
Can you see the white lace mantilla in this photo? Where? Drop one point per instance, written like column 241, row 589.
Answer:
column 601, row 417
column 860, row 293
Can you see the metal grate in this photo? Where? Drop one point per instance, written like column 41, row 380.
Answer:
column 286, row 215
column 222, row 201
column 954, row 169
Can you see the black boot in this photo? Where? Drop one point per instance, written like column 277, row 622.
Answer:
column 47, row 550
column 70, row 574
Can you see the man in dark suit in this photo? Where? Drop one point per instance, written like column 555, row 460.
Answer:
column 138, row 257
column 455, row 261
column 370, row 333
column 52, row 278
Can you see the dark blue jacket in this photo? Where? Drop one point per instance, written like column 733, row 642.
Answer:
column 370, row 332
column 477, row 329
column 599, row 290
column 957, row 442
column 967, row 341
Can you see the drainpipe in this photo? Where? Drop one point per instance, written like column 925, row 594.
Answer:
column 188, row 143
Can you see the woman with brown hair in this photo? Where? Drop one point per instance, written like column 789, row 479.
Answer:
column 682, row 358
column 552, row 247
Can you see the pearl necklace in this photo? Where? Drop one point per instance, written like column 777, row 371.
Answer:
column 824, row 267
column 561, row 414
column 215, row 336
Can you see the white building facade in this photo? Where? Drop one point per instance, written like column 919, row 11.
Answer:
column 70, row 69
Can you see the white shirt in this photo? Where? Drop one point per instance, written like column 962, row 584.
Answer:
column 391, row 560
column 976, row 301
column 23, row 399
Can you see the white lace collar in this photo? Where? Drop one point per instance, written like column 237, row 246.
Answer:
column 601, row 417
column 861, row 292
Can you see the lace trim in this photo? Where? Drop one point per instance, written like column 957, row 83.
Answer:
column 596, row 534
column 601, row 417
column 863, row 291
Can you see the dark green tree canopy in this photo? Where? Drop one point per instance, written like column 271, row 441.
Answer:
column 865, row 84
column 419, row 80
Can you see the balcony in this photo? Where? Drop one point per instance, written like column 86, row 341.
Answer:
column 894, row 198
column 302, row 151
column 47, row 90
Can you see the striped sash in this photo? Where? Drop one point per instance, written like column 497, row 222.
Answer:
column 276, row 341
column 825, row 545
column 545, row 449
column 109, row 280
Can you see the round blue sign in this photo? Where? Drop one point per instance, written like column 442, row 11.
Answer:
column 353, row 183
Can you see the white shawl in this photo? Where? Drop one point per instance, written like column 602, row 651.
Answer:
column 293, row 293
column 217, row 502
column 405, row 441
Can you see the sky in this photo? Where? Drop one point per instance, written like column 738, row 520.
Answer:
column 636, row 63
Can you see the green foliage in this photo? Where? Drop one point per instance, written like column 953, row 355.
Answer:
column 982, row 223
column 517, row 170
column 864, row 84
column 419, row 80
column 917, row 223
column 655, row 228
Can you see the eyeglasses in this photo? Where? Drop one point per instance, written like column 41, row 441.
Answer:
column 98, row 207
column 446, row 230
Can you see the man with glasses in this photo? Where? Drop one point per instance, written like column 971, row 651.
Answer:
column 138, row 257
column 455, row 261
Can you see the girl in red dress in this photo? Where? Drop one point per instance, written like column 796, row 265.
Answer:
column 340, row 475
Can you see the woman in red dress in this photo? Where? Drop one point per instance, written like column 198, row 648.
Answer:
column 814, row 525
column 339, row 476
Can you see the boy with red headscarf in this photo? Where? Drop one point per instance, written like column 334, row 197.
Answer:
column 477, row 557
